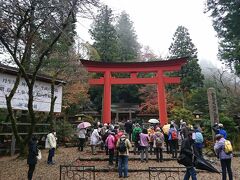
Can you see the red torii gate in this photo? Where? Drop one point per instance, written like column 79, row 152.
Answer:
column 157, row 67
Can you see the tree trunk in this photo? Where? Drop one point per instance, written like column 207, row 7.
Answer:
column 23, row 149
column 53, row 99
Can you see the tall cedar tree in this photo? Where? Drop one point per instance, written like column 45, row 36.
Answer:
column 106, row 44
column 60, row 62
column 226, row 22
column 128, row 45
column 129, row 50
column 182, row 46
column 105, row 36
column 112, row 46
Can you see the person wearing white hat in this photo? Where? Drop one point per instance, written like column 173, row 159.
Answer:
column 222, row 131
column 219, row 129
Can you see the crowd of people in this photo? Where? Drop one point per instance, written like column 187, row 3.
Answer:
column 148, row 139
column 117, row 142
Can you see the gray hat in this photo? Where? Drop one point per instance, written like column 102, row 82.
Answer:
column 123, row 136
column 218, row 136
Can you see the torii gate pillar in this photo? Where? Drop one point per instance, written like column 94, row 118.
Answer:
column 162, row 109
column 106, row 114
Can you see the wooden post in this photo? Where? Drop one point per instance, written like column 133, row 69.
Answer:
column 213, row 108
column 130, row 114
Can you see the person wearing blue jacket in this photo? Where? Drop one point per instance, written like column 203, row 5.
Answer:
column 198, row 140
column 222, row 131
column 219, row 129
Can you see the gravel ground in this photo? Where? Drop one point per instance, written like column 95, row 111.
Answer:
column 13, row 168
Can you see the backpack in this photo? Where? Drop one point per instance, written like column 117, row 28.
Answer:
column 117, row 136
column 198, row 137
column 159, row 142
column 174, row 135
column 228, row 147
column 122, row 146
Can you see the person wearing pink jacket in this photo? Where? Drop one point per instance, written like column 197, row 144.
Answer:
column 110, row 142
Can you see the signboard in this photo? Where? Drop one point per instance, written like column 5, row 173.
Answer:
column 41, row 93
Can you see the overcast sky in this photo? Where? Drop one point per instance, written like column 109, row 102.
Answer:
column 155, row 22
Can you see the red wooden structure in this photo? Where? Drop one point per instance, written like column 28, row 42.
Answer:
column 133, row 68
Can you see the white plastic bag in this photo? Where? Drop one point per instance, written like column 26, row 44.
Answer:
column 39, row 156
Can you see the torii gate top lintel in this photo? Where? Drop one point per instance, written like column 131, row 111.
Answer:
column 151, row 66
column 158, row 67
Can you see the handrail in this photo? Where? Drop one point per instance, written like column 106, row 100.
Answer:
column 38, row 124
column 6, row 134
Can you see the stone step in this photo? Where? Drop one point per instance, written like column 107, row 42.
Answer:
column 131, row 151
column 129, row 159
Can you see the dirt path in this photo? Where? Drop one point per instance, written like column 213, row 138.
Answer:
column 12, row 168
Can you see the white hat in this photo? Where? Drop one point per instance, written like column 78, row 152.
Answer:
column 220, row 125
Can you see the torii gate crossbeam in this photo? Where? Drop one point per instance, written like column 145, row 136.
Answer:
column 133, row 68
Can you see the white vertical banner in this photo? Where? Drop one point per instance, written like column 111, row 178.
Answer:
column 41, row 94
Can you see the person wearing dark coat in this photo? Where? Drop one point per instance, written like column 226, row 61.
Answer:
column 184, row 130
column 128, row 129
column 187, row 148
column 32, row 156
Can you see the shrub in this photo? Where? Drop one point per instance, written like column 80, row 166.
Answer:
column 65, row 130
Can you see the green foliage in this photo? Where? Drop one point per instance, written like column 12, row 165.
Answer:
column 96, row 95
column 198, row 100
column 129, row 50
column 229, row 126
column 226, row 19
column 125, row 93
column 115, row 43
column 232, row 107
column 181, row 113
column 182, row 46
column 207, row 129
column 128, row 45
column 3, row 115
column 64, row 130
column 105, row 36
